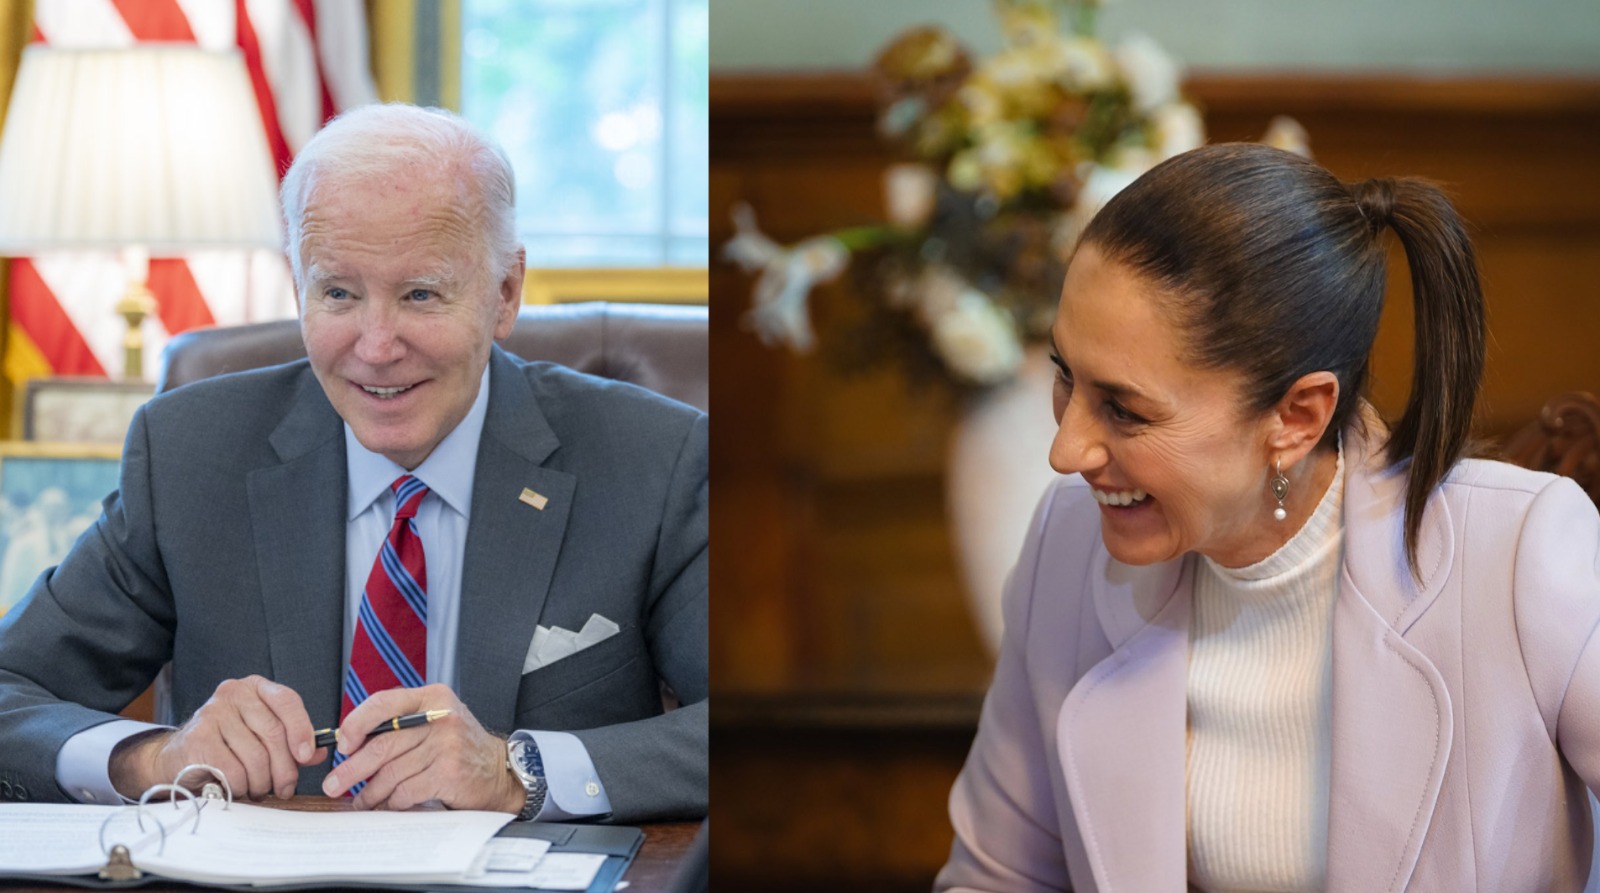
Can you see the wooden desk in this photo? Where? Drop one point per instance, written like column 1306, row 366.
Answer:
column 665, row 845
column 660, row 857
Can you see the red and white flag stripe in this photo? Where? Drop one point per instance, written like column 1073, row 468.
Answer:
column 308, row 60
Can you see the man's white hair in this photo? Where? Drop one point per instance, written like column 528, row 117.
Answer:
column 374, row 140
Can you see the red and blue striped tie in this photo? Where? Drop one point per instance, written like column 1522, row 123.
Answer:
column 390, row 649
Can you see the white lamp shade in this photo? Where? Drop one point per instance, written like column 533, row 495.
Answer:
column 158, row 146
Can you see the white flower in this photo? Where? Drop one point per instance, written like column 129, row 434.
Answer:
column 1284, row 132
column 977, row 340
column 996, row 162
column 1177, row 128
column 982, row 102
column 1128, row 161
column 1151, row 75
column 750, row 248
column 898, row 119
column 1011, row 68
column 966, row 171
column 1082, row 63
column 1100, row 185
column 910, row 192
column 779, row 304
column 930, row 294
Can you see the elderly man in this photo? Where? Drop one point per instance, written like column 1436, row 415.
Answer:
column 392, row 526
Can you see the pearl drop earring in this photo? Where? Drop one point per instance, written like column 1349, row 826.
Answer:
column 1280, row 489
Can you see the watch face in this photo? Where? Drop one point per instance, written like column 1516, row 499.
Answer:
column 526, row 758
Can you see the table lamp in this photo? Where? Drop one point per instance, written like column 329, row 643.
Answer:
column 156, row 149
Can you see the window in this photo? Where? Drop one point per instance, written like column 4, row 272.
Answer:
column 602, row 106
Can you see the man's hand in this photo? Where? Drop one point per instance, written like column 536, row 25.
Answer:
column 253, row 729
column 452, row 760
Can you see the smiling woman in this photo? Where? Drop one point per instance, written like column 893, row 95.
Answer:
column 1239, row 637
column 1171, row 455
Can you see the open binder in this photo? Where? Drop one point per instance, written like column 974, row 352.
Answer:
column 211, row 840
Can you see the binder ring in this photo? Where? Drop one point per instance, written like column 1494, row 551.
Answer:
column 175, row 791
column 138, row 815
column 106, row 850
column 210, row 790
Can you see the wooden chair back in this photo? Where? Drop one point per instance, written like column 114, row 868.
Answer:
column 1565, row 440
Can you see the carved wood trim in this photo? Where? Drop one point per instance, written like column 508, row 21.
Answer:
column 1565, row 440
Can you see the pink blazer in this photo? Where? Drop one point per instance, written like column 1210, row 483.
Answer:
column 1466, row 708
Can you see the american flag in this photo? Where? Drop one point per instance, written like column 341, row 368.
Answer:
column 307, row 59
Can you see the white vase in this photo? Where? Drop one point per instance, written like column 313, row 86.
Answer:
column 999, row 467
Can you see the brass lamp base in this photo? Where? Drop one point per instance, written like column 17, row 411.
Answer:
column 136, row 304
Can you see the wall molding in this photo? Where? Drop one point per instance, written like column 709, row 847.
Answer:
column 840, row 95
column 1461, row 130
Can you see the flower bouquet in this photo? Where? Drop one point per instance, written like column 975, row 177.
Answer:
column 1009, row 157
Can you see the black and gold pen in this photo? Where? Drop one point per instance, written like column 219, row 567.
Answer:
column 329, row 737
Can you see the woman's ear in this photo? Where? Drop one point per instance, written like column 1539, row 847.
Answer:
column 1302, row 416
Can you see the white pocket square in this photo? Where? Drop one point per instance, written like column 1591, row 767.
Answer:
column 552, row 643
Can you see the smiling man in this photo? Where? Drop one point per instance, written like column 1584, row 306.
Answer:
column 403, row 522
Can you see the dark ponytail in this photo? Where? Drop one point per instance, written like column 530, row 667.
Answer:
column 1276, row 269
column 1449, row 353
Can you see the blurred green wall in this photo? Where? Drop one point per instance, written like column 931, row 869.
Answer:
column 1426, row 36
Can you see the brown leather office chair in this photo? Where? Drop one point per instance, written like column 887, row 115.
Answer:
column 660, row 347
column 1564, row 440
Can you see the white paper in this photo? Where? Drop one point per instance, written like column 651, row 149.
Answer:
column 566, row 871
column 528, row 863
column 506, row 862
column 265, row 846
column 54, row 838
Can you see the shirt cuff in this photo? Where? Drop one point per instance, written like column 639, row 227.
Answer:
column 574, row 788
column 83, row 765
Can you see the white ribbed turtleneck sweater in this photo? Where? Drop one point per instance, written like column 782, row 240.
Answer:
column 1260, row 687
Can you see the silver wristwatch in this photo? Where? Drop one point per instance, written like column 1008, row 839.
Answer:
column 522, row 758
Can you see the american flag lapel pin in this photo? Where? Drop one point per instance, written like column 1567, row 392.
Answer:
column 537, row 500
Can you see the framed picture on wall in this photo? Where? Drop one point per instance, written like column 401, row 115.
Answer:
column 81, row 410
column 50, row 493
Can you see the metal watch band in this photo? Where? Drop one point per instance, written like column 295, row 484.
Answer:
column 522, row 758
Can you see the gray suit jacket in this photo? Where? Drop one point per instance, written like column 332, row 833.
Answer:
column 223, row 551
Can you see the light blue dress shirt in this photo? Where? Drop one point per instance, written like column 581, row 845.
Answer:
column 82, row 766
